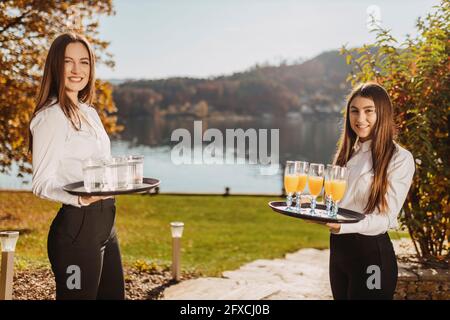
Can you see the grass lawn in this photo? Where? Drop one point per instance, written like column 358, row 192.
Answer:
column 221, row 233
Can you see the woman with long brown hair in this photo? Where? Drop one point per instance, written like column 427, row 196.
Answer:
column 363, row 264
column 65, row 130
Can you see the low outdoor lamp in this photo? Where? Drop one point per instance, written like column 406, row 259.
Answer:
column 8, row 241
column 177, row 232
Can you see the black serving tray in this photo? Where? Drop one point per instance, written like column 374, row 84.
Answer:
column 343, row 215
column 77, row 188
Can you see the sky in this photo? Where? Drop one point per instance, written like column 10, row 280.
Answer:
column 155, row 39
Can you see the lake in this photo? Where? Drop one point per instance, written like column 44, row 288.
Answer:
column 311, row 138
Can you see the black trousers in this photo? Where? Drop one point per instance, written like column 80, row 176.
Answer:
column 362, row 267
column 84, row 253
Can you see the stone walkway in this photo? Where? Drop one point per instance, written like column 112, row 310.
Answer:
column 300, row 275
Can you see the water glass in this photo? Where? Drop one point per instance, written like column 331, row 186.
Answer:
column 135, row 165
column 93, row 174
column 117, row 170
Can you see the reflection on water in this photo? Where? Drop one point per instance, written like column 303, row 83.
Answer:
column 309, row 138
column 302, row 138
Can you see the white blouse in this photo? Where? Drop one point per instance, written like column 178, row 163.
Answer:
column 59, row 150
column 400, row 173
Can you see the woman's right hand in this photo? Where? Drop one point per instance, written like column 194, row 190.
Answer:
column 85, row 201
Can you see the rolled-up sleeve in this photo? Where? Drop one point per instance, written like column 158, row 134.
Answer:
column 49, row 129
column 400, row 175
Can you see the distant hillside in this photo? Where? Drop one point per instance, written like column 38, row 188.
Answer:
column 316, row 85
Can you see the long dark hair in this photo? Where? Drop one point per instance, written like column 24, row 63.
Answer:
column 382, row 146
column 53, row 84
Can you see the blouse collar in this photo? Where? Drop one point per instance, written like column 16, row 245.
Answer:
column 363, row 146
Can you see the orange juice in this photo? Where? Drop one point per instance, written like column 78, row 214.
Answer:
column 302, row 179
column 338, row 189
column 290, row 183
column 315, row 185
column 328, row 187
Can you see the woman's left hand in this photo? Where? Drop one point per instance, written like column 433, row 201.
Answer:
column 334, row 227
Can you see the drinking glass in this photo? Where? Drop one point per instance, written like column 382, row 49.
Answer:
column 93, row 174
column 338, row 186
column 315, row 183
column 327, row 187
column 290, row 182
column 302, row 168
column 118, row 172
column 135, row 169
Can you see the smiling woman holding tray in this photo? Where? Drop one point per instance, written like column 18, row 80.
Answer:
column 64, row 130
column 379, row 177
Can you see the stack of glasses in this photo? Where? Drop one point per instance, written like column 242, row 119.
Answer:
column 115, row 173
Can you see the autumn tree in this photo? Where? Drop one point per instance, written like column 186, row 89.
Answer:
column 416, row 74
column 27, row 29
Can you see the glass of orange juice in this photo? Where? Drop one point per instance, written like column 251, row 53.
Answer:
column 327, row 184
column 290, row 181
column 338, row 185
column 315, row 183
column 302, row 168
